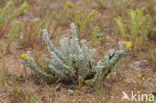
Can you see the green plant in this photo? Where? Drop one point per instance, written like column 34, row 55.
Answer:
column 1, row 10
column 113, row 3
column 133, row 16
column 15, row 89
column 4, row 25
column 137, row 25
column 4, row 75
column 51, row 20
column 1, row 44
column 27, row 95
column 57, row 39
column 29, row 33
column 32, row 24
column 33, row 99
column 144, row 29
column 68, row 4
column 32, row 30
column 121, row 27
column 124, row 3
column 75, row 62
column 96, row 30
column 76, row 18
column 42, row 23
column 14, row 31
column 4, row 12
column 85, row 20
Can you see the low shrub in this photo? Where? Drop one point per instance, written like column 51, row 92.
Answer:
column 75, row 61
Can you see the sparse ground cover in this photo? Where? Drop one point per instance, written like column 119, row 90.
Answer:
column 102, row 23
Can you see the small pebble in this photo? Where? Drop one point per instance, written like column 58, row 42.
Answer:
column 107, row 44
column 71, row 92
column 58, row 88
column 149, row 79
column 137, row 63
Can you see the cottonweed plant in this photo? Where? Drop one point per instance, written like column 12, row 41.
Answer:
column 5, row 23
column 105, row 66
column 75, row 61
column 138, row 27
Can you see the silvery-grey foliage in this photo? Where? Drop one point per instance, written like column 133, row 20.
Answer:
column 105, row 66
column 74, row 60
column 30, row 62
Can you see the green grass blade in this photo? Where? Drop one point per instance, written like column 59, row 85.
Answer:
column 58, row 38
column 14, row 31
column 33, row 99
column 113, row 3
column 132, row 15
column 42, row 24
column 51, row 20
column 96, row 30
column 120, row 24
column 76, row 18
column 138, row 21
column 4, row 12
column 82, row 21
column 68, row 4
column 85, row 21
column 22, row 7
column 1, row 12
column 145, row 27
